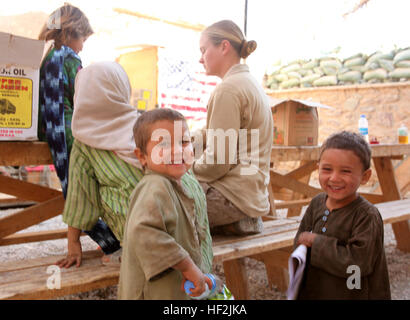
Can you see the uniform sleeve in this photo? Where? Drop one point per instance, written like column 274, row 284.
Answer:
column 83, row 205
column 224, row 121
column 153, row 217
column 362, row 249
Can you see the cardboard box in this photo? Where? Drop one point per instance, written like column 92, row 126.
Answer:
column 295, row 122
column 20, row 60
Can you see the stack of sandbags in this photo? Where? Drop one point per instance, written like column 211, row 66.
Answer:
column 329, row 71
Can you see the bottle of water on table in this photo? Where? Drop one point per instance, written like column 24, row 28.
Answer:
column 364, row 127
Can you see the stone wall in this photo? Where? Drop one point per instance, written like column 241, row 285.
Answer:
column 386, row 106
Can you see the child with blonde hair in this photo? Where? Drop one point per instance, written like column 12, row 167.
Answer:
column 69, row 30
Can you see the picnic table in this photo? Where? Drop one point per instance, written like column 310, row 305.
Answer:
column 294, row 188
column 272, row 247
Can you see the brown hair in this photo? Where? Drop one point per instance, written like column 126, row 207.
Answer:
column 228, row 30
column 346, row 140
column 73, row 24
column 142, row 132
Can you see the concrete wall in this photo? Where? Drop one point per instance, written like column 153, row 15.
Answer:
column 386, row 106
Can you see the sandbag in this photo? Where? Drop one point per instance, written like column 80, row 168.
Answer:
column 310, row 78
column 402, row 55
column 354, row 62
column 289, row 68
column 378, row 74
column 325, row 81
column 311, row 64
column 281, row 77
column 402, row 64
column 289, row 83
column 386, row 64
column 350, row 76
column 331, row 63
column 400, row 73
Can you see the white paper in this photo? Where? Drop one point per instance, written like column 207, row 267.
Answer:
column 297, row 263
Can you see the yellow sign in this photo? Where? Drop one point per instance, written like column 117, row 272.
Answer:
column 141, row 105
column 16, row 95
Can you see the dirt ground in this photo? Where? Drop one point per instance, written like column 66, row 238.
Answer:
column 398, row 265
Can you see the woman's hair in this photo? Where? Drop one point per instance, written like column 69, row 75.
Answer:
column 346, row 140
column 228, row 30
column 71, row 23
column 142, row 131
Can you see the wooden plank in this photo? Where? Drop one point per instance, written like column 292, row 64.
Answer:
column 254, row 246
column 401, row 172
column 311, row 153
column 91, row 275
column 25, row 218
column 390, row 150
column 394, row 211
column 26, row 237
column 26, row 190
column 390, row 189
column 292, row 203
column 236, row 278
column 293, row 184
column 310, row 165
column 294, row 153
column 43, row 261
column 385, row 174
column 270, row 228
column 24, row 153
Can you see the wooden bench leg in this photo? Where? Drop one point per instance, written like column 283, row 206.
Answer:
column 237, row 278
column 402, row 234
column 276, row 264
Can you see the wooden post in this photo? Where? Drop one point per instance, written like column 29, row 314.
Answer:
column 388, row 185
column 237, row 278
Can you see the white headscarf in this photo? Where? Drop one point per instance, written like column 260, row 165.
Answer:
column 103, row 117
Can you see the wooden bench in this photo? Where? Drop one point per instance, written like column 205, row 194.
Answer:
column 27, row 279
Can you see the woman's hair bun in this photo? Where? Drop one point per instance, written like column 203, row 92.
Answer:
column 247, row 48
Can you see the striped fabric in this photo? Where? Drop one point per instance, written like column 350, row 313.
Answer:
column 100, row 186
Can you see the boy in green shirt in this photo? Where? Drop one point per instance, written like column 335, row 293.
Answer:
column 166, row 236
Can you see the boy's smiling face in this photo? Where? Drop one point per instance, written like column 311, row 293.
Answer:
column 340, row 175
column 169, row 150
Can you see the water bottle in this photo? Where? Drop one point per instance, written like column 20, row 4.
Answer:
column 364, row 127
column 208, row 293
column 403, row 134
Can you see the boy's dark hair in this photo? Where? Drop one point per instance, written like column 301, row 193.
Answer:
column 73, row 25
column 346, row 140
column 142, row 132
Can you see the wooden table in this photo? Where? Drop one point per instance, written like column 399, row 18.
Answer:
column 49, row 202
column 297, row 181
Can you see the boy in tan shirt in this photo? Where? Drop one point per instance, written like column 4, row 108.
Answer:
column 166, row 238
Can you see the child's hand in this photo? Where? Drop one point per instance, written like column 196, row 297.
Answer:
column 192, row 273
column 199, row 284
column 306, row 238
column 74, row 255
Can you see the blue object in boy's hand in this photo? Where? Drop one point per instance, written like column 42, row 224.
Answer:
column 188, row 285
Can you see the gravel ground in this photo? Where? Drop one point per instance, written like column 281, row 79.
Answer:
column 398, row 265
